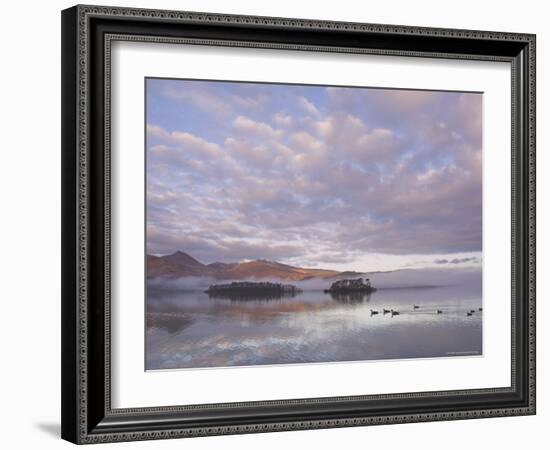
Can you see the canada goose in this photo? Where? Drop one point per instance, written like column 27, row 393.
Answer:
column 439, row 311
column 469, row 313
column 472, row 311
column 416, row 306
column 480, row 309
column 394, row 313
column 373, row 312
column 386, row 311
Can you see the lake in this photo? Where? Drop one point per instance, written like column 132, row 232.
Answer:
column 188, row 329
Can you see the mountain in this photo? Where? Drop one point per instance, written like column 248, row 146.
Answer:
column 180, row 265
column 182, row 259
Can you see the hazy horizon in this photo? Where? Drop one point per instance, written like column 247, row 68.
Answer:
column 466, row 261
column 398, row 278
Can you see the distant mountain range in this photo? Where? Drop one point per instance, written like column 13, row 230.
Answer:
column 180, row 265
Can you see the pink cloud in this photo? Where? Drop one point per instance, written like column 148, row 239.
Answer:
column 248, row 126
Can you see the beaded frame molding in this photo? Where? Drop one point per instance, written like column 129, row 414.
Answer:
column 87, row 35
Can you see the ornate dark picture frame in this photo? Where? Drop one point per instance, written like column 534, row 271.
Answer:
column 87, row 34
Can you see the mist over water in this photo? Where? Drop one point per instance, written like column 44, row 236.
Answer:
column 393, row 279
column 188, row 329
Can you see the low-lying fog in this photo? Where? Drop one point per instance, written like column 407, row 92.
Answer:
column 405, row 278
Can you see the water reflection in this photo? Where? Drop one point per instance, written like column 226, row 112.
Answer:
column 251, row 296
column 192, row 329
column 351, row 297
column 170, row 322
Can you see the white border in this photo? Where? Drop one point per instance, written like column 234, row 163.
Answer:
column 133, row 387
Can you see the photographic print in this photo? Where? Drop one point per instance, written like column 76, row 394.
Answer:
column 303, row 224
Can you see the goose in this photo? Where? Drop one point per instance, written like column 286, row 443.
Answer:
column 372, row 312
column 439, row 311
column 416, row 306
column 480, row 309
column 469, row 313
column 472, row 311
column 394, row 313
column 386, row 311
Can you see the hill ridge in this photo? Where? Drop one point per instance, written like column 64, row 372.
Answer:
column 180, row 265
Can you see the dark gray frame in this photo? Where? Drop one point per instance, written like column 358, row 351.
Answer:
column 87, row 34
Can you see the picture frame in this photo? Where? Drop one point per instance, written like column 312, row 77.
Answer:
column 88, row 33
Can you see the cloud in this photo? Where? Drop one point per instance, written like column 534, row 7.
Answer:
column 399, row 102
column 307, row 106
column 254, row 102
column 187, row 140
column 349, row 135
column 457, row 260
column 154, row 131
column 365, row 171
column 201, row 97
column 248, row 126
column 403, row 101
column 282, row 120
column 303, row 141
column 181, row 141
column 243, row 150
column 324, row 127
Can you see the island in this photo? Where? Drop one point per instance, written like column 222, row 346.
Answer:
column 252, row 290
column 358, row 285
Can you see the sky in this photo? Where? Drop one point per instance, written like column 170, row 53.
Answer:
column 347, row 178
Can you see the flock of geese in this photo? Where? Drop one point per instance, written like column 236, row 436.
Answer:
column 415, row 307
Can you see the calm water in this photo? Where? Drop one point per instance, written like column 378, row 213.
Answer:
column 187, row 329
